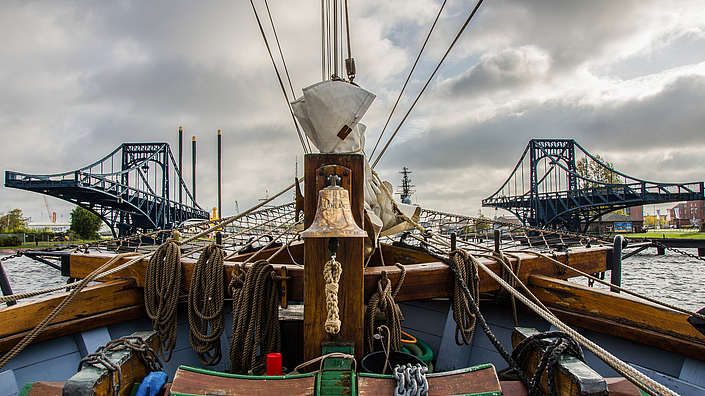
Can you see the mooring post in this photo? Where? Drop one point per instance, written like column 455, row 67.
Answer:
column 220, row 166
column 5, row 285
column 453, row 241
column 193, row 167
column 617, row 262
column 350, row 254
column 181, row 162
column 497, row 240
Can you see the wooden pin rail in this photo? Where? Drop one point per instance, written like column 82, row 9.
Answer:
column 426, row 280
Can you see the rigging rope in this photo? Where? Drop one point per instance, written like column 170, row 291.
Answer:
column 408, row 77
column 462, row 29
column 162, row 285
column 561, row 343
column 383, row 299
column 255, row 317
column 44, row 323
column 281, row 83
column 463, row 317
column 205, row 305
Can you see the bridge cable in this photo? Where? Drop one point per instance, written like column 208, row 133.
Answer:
column 408, row 77
column 281, row 83
column 462, row 29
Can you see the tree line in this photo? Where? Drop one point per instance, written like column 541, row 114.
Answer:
column 84, row 223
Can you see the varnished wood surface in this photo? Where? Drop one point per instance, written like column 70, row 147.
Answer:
column 313, row 182
column 350, row 254
column 77, row 325
column 479, row 381
column 350, row 303
column 426, row 280
column 620, row 315
column 193, row 383
column 435, row 279
column 573, row 377
column 104, row 297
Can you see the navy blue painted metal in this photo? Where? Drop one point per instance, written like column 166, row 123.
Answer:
column 555, row 195
column 131, row 189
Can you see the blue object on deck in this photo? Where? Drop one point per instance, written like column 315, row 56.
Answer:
column 152, row 384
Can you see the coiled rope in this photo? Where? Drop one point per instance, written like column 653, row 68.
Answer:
column 384, row 300
column 560, row 343
column 463, row 317
column 255, row 317
column 331, row 273
column 161, row 294
column 205, row 305
column 636, row 377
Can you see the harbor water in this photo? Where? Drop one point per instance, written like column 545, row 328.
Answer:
column 672, row 278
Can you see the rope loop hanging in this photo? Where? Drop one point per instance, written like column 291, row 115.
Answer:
column 383, row 299
column 161, row 294
column 255, row 317
column 509, row 271
column 331, row 274
column 560, row 343
column 205, row 305
column 463, row 317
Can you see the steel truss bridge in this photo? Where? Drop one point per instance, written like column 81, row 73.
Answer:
column 558, row 184
column 136, row 188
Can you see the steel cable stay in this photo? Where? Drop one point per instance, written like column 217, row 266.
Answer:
column 455, row 40
column 302, row 138
column 403, row 88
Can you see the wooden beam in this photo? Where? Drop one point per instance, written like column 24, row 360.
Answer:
column 77, row 325
column 429, row 280
column 620, row 315
column 573, row 377
column 92, row 380
column 350, row 169
column 104, row 297
column 425, row 280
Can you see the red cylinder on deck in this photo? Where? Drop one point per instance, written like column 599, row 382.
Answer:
column 274, row 364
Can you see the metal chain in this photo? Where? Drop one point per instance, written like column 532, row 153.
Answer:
column 411, row 380
column 679, row 251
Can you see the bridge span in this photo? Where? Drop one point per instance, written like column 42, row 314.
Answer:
column 559, row 184
column 133, row 189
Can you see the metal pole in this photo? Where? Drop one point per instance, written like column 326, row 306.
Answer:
column 5, row 285
column 617, row 262
column 181, row 161
column 193, row 167
column 220, row 166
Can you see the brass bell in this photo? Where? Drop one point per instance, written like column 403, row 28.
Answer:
column 333, row 215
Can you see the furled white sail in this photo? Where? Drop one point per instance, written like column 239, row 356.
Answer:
column 329, row 110
column 330, row 113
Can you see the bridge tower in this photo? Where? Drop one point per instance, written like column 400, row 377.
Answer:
column 134, row 196
column 548, row 188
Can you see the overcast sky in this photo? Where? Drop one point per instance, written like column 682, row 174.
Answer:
column 626, row 79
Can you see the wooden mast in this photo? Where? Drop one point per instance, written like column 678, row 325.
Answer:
column 350, row 168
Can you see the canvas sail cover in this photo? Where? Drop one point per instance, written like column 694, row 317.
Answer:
column 329, row 110
column 330, row 113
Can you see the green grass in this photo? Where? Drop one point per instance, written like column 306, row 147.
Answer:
column 669, row 234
